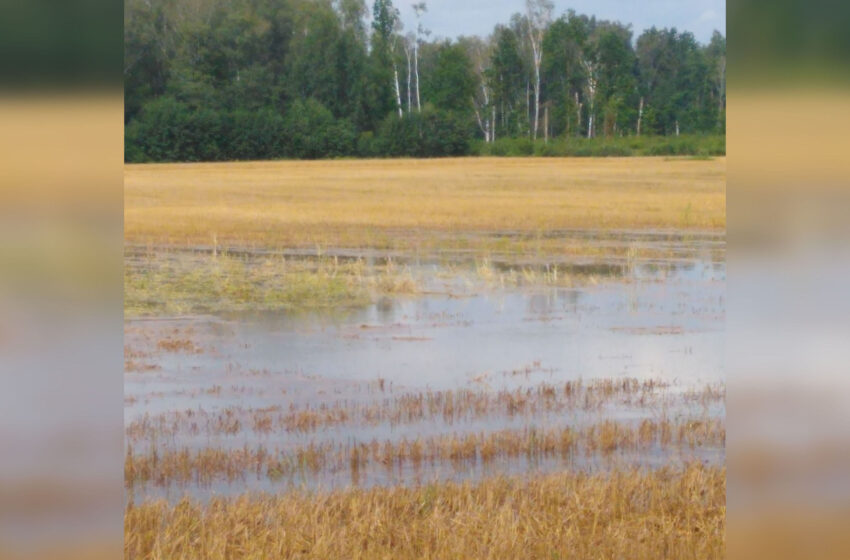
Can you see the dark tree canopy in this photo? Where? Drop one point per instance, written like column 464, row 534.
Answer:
column 259, row 79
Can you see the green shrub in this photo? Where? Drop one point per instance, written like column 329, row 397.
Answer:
column 167, row 130
column 366, row 145
column 310, row 130
column 255, row 135
column 498, row 148
column 613, row 151
column 431, row 133
column 686, row 145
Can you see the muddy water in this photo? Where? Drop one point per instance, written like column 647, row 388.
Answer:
column 660, row 321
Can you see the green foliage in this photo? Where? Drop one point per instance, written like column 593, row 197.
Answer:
column 313, row 132
column 685, row 145
column 255, row 135
column 265, row 79
column 431, row 133
column 452, row 83
column 508, row 80
column 506, row 147
column 366, row 147
column 168, row 131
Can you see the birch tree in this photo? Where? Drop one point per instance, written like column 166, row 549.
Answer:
column 651, row 55
column 480, row 54
column 397, row 86
column 591, row 70
column 386, row 22
column 351, row 14
column 418, row 9
column 409, row 49
column 562, row 71
column 507, row 78
column 538, row 16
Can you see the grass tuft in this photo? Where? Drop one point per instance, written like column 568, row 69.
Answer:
column 665, row 513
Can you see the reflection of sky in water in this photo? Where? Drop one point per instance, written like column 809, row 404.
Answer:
column 666, row 325
column 664, row 322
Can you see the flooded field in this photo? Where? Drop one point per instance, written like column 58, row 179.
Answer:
column 331, row 349
column 485, row 367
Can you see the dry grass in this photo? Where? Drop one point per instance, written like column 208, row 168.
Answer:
column 636, row 515
column 408, row 203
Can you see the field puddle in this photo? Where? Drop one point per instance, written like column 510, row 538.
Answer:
column 340, row 397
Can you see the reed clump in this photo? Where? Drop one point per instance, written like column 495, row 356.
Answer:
column 450, row 407
column 161, row 465
column 178, row 346
column 666, row 513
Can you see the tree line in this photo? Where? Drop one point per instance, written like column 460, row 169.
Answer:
column 210, row 80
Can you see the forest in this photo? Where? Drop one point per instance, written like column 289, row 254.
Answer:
column 222, row 80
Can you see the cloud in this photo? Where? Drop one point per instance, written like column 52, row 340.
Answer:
column 708, row 15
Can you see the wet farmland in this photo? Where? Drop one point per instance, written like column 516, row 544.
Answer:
column 490, row 366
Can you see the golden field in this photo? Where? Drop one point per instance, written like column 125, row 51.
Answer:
column 405, row 203
column 626, row 514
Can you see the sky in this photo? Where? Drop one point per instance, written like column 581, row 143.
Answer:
column 452, row 18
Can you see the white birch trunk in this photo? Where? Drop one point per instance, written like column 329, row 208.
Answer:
column 538, row 16
column 482, row 124
column 536, row 99
column 538, row 59
column 407, row 55
column 590, row 67
column 397, row 92
column 418, row 9
column 537, row 56
column 487, row 127
column 416, row 71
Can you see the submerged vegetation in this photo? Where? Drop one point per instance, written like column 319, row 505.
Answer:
column 666, row 513
column 447, row 407
column 178, row 284
column 567, row 424
column 163, row 465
